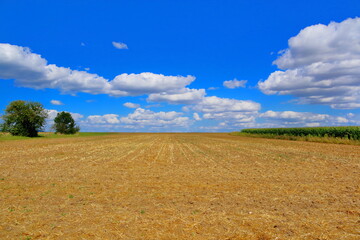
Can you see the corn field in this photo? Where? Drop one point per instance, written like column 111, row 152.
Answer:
column 352, row 132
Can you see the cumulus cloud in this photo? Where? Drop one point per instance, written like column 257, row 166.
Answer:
column 271, row 119
column 321, row 66
column 232, row 116
column 51, row 114
column 213, row 128
column 143, row 117
column 120, row 45
column 235, row 83
column 147, row 83
column 182, row 96
column 56, row 102
column 139, row 119
column 31, row 70
column 196, row 117
column 294, row 116
column 228, row 110
column 107, row 118
column 216, row 104
column 131, row 105
column 303, row 118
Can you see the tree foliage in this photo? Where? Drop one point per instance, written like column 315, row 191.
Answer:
column 23, row 118
column 65, row 124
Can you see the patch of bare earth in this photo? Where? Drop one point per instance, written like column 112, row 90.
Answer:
column 178, row 186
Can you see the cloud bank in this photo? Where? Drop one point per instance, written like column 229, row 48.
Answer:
column 321, row 66
column 226, row 109
column 139, row 119
column 31, row 70
column 181, row 96
column 308, row 119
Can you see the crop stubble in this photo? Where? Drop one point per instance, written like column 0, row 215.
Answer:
column 178, row 186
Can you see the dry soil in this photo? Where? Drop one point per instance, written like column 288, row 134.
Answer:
column 178, row 186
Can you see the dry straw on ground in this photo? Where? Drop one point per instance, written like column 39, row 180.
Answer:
column 178, row 186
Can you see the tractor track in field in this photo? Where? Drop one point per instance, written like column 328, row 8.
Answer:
column 178, row 186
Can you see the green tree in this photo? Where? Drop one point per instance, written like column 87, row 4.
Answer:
column 23, row 118
column 65, row 124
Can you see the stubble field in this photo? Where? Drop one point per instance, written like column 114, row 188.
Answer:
column 178, row 186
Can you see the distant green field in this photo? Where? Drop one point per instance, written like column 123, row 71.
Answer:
column 342, row 135
column 6, row 136
column 351, row 132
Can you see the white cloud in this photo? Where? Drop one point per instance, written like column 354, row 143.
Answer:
column 230, row 111
column 52, row 114
column 235, row 83
column 103, row 119
column 215, row 104
column 271, row 119
column 143, row 117
column 341, row 120
column 139, row 119
column 148, row 83
column 76, row 116
column 196, row 117
column 182, row 96
column 321, row 66
column 231, row 116
column 294, row 116
column 120, row 45
column 56, row 102
column 212, row 128
column 131, row 105
column 31, row 70
column 303, row 118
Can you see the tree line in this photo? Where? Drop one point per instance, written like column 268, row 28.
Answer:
column 25, row 118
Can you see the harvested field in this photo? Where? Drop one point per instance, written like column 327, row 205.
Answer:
column 178, row 186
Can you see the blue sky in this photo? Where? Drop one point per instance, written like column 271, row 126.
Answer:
column 184, row 65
